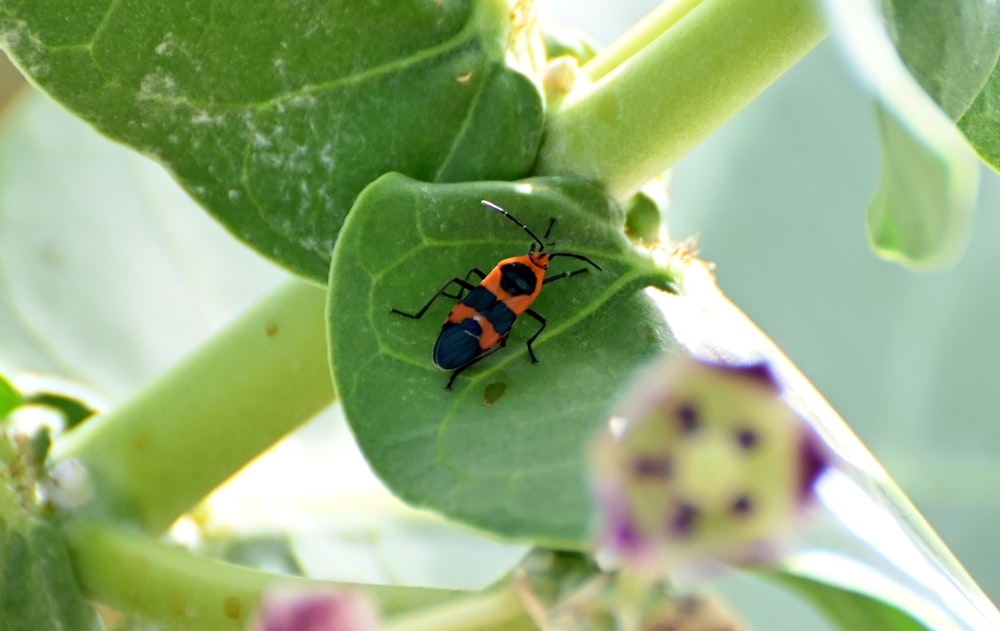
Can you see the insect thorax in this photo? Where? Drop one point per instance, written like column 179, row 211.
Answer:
column 518, row 279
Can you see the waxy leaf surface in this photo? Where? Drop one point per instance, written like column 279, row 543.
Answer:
column 504, row 450
column 275, row 115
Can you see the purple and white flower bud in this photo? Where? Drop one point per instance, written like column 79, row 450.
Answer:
column 311, row 609
column 703, row 461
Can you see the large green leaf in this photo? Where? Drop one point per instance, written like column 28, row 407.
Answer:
column 981, row 122
column 925, row 61
column 921, row 212
column 275, row 115
column 504, row 449
column 950, row 46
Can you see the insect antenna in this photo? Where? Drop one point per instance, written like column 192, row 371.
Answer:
column 579, row 257
column 497, row 209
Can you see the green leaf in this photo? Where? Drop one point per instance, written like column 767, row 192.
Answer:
column 952, row 49
column 38, row 590
column 504, row 449
column 920, row 214
column 853, row 596
column 275, row 115
column 73, row 410
column 10, row 398
column 950, row 46
column 981, row 123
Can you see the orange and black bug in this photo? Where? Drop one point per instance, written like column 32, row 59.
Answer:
column 481, row 322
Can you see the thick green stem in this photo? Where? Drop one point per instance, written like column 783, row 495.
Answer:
column 638, row 37
column 652, row 109
column 492, row 609
column 171, row 587
column 158, row 454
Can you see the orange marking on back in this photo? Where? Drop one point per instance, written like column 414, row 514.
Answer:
column 520, row 304
column 492, row 281
column 489, row 338
column 461, row 312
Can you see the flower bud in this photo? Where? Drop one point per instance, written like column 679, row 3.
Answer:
column 297, row 609
column 703, row 461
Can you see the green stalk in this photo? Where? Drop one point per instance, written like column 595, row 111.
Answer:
column 641, row 118
column 497, row 608
column 169, row 586
column 638, row 37
column 158, row 454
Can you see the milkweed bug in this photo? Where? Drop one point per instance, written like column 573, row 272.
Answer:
column 481, row 322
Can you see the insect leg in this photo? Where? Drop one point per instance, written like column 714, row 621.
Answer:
column 464, row 284
column 461, row 292
column 541, row 320
column 455, row 372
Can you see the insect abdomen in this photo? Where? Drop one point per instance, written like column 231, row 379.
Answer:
column 458, row 344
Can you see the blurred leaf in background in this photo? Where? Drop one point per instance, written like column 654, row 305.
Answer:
column 924, row 62
column 109, row 272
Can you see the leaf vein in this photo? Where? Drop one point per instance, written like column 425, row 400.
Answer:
column 464, row 128
column 102, row 25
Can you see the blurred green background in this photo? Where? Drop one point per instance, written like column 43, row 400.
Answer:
column 776, row 199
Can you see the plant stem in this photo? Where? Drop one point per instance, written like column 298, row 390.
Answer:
column 157, row 455
column 496, row 608
column 638, row 120
column 171, row 587
column 638, row 37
